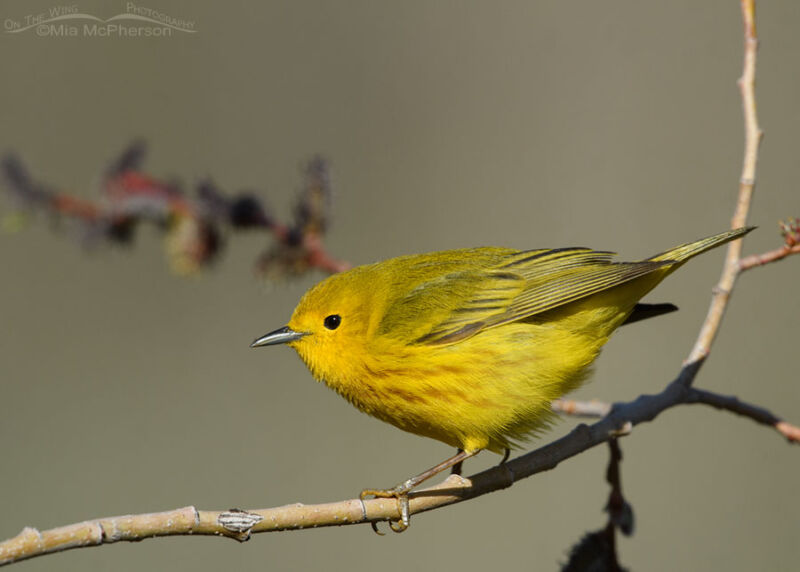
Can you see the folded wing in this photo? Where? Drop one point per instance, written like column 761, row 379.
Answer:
column 525, row 284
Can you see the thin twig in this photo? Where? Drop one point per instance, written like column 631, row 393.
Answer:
column 735, row 405
column 756, row 260
column 592, row 409
column 747, row 182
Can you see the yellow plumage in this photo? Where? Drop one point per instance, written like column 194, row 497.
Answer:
column 470, row 346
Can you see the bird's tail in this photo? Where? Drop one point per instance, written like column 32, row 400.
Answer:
column 689, row 250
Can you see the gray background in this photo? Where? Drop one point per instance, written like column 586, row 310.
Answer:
column 609, row 124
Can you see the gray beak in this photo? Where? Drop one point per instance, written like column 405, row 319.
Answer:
column 279, row 336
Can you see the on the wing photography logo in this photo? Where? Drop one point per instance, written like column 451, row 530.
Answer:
column 67, row 21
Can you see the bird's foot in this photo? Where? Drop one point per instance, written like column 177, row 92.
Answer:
column 399, row 492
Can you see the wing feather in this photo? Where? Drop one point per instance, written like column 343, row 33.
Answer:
column 529, row 283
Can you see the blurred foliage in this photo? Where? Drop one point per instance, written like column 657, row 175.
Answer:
column 194, row 225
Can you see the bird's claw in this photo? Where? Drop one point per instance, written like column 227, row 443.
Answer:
column 400, row 492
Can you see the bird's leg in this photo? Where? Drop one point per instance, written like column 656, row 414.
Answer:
column 456, row 470
column 506, row 454
column 400, row 491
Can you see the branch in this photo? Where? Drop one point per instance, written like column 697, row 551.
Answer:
column 755, row 260
column 239, row 524
column 598, row 409
column 791, row 245
column 617, row 420
column 747, row 182
column 735, row 405
column 195, row 226
column 593, row 409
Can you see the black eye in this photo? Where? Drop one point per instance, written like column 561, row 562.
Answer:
column 332, row 322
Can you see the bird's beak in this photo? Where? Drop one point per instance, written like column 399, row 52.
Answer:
column 280, row 336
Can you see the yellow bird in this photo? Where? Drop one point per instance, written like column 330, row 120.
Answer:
column 470, row 346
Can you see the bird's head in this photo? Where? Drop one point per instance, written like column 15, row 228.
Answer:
column 331, row 326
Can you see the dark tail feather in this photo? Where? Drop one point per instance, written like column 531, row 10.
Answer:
column 645, row 311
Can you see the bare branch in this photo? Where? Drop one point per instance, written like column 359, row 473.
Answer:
column 593, row 409
column 747, row 182
column 239, row 524
column 735, row 405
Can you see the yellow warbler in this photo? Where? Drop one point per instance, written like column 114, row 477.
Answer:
column 470, row 346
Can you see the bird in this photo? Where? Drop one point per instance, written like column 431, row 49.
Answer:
column 471, row 346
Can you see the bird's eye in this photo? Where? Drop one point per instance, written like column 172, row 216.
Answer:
column 332, row 322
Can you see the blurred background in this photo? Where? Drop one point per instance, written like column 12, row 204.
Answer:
column 616, row 125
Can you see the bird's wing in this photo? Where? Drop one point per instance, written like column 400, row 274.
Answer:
column 526, row 284
column 444, row 302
